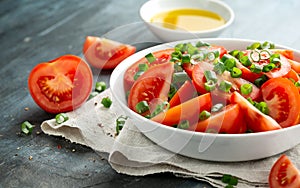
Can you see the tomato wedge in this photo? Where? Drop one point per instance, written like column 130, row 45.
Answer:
column 283, row 99
column 292, row 75
column 284, row 174
column 186, row 92
column 198, row 76
column 104, row 53
column 153, row 86
column 285, row 52
column 162, row 56
column 295, row 65
column 230, row 120
column 255, row 119
column 188, row 110
column 62, row 84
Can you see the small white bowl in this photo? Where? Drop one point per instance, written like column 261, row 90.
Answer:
column 153, row 7
column 206, row 146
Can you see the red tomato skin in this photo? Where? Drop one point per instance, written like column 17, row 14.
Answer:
column 153, row 84
column 186, row 92
column 74, row 71
column 162, row 56
column 230, row 120
column 255, row 120
column 284, row 174
column 188, row 110
column 104, row 53
column 284, row 111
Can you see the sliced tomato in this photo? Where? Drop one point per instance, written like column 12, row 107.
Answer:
column 153, row 86
column 295, row 65
column 104, row 53
column 198, row 76
column 162, row 56
column 283, row 99
column 62, row 84
column 284, row 174
column 255, row 119
column 292, row 75
column 230, row 120
column 186, row 92
column 188, row 110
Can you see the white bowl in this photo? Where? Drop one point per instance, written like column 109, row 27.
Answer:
column 206, row 146
column 151, row 8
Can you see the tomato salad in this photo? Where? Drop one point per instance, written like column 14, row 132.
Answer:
column 206, row 88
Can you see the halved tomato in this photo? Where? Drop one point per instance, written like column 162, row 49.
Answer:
column 162, row 56
column 62, row 84
column 255, row 119
column 188, row 110
column 104, row 53
column 153, row 86
column 284, row 174
column 283, row 99
column 230, row 120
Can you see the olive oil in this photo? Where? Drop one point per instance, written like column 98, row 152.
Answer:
column 188, row 19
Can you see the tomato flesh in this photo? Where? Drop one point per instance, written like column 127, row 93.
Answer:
column 153, row 86
column 281, row 96
column 230, row 120
column 185, row 92
column 161, row 57
column 284, row 174
column 104, row 53
column 60, row 85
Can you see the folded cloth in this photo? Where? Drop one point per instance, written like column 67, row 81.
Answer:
column 132, row 153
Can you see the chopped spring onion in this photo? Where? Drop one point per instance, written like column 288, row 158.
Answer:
column 186, row 58
column 245, row 61
column 27, row 127
column 150, row 57
column 225, row 86
column 185, row 124
column 253, row 46
column 260, row 81
column 191, row 49
column 210, row 85
column 176, row 56
column 93, row 94
column 229, row 64
column 172, row 91
column 210, row 75
column 160, row 107
column 275, row 58
column 229, row 179
column 142, row 107
column 297, row 84
column 100, row 86
column 255, row 68
column 235, row 53
column 138, row 74
column 246, row 89
column 268, row 67
column 257, row 45
column 180, row 77
column 61, row 118
column 143, row 67
column 219, row 68
column 204, row 115
column 213, row 55
column 262, row 106
column 106, row 101
column 236, row 72
column 217, row 107
column 201, row 44
column 255, row 56
column 264, row 54
column 120, row 122
column 181, row 47
column 267, row 45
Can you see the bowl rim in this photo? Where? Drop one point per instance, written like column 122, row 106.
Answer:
column 124, row 65
column 220, row 3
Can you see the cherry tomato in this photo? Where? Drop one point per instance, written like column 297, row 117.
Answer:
column 162, row 56
column 62, row 84
column 230, row 120
column 104, row 53
column 284, row 174
column 151, row 86
column 186, row 92
column 188, row 110
column 282, row 98
column 255, row 119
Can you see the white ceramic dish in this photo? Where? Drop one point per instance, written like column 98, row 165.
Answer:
column 206, row 146
column 151, row 8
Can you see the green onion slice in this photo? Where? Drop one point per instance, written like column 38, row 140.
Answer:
column 219, row 68
column 186, row 58
column 210, row 85
column 225, row 85
column 61, row 118
column 201, row 44
column 255, row 56
column 27, row 127
column 100, row 86
column 246, row 89
column 150, row 58
column 106, row 101
column 210, row 75
column 142, row 107
column 236, row 72
column 120, row 122
column 185, row 124
column 204, row 115
column 255, row 68
column 217, row 107
column 245, row 61
column 143, row 67
column 229, row 64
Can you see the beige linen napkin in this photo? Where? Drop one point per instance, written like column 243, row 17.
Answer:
column 132, row 153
